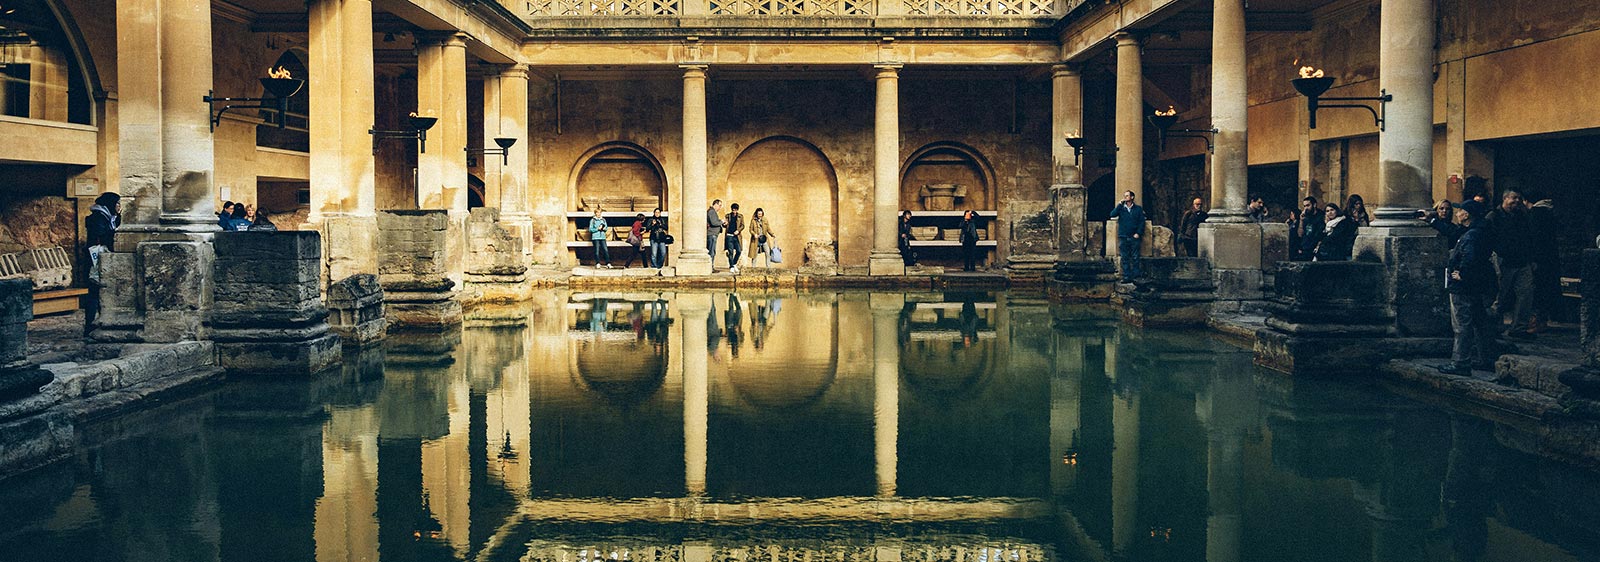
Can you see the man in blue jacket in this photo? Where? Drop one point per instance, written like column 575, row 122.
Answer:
column 1470, row 279
column 1130, row 233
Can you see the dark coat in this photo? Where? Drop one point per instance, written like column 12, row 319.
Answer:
column 1451, row 231
column 969, row 231
column 1189, row 228
column 1470, row 258
column 102, row 228
column 1514, row 237
column 656, row 227
column 1130, row 220
column 1338, row 241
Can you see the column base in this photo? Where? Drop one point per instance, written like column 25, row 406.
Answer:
column 881, row 263
column 1089, row 279
column 691, row 264
column 1415, row 259
column 520, row 225
column 349, row 246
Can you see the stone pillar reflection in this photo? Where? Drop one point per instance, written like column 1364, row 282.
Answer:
column 886, row 389
column 693, row 257
column 1229, row 173
column 1130, row 118
column 512, row 85
column 1124, row 453
column 442, row 169
column 885, row 257
column 1227, row 408
column 693, row 309
column 1066, row 396
column 340, row 78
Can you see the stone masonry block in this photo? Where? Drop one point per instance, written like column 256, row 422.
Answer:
column 16, row 301
column 281, row 245
column 1231, row 245
column 268, row 272
column 174, row 275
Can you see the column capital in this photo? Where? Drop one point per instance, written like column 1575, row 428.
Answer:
column 518, row 70
column 455, row 40
column 888, row 68
column 1126, row 38
column 1065, row 69
column 694, row 69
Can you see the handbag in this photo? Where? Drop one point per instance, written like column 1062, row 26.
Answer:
column 775, row 255
column 634, row 239
column 668, row 239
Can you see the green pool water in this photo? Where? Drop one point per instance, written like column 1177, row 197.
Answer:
column 809, row 427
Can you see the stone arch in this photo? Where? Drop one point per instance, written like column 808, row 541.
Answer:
column 615, row 171
column 795, row 183
column 948, row 163
column 55, row 55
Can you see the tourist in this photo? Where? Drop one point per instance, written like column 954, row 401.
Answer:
column 597, row 236
column 1189, row 228
column 1306, row 231
column 1546, row 263
column 761, row 236
column 1257, row 208
column 262, row 223
column 733, row 324
column 250, row 213
column 225, row 216
column 104, row 218
column 1442, row 219
column 1471, row 284
column 731, row 244
column 1338, row 238
column 1356, row 208
column 1130, row 229
column 713, row 228
column 1512, row 234
column 656, row 225
column 969, row 239
column 907, row 255
column 238, row 223
column 636, row 239
column 1475, row 197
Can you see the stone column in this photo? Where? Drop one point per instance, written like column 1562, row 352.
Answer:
column 187, row 200
column 692, row 311
column 885, row 258
column 1413, row 252
column 343, row 184
column 1229, row 239
column 1066, row 407
column 442, row 170
column 1079, row 275
column 139, row 119
column 513, row 123
column 1130, row 118
column 886, row 389
column 693, row 258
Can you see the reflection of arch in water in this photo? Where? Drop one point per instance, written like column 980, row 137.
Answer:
column 940, row 367
column 625, row 371
column 799, row 361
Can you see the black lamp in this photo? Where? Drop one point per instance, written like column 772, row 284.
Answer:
column 504, row 151
column 278, row 84
column 1312, row 84
column 1163, row 122
column 1079, row 148
column 418, row 132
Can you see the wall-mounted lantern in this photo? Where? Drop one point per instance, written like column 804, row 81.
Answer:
column 278, row 83
column 1163, row 120
column 504, row 151
column 1312, row 84
column 1079, row 148
column 418, row 132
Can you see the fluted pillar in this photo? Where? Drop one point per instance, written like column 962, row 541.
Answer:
column 511, row 107
column 343, row 183
column 693, row 258
column 886, row 389
column 1130, row 118
column 885, row 258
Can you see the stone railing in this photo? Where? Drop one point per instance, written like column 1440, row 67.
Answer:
column 794, row 8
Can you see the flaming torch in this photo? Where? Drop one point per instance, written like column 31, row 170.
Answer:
column 1312, row 84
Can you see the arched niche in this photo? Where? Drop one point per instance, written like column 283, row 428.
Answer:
column 612, row 173
column 271, row 136
column 945, row 164
column 46, row 74
column 793, row 181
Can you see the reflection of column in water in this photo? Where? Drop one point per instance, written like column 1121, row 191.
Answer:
column 1227, row 407
column 346, row 528
column 886, row 388
column 1124, row 456
column 446, row 474
column 694, row 310
column 1065, row 395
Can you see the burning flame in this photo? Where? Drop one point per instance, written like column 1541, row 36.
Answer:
column 1073, row 135
column 1310, row 72
column 1169, row 112
column 279, row 72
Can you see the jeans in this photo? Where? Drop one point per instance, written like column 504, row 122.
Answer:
column 969, row 256
column 658, row 254
column 711, row 246
column 734, row 248
column 601, row 254
column 1469, row 315
column 1516, row 291
column 1128, row 250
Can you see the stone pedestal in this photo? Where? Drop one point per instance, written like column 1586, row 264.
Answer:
column 1173, row 292
column 18, row 378
column 1414, row 279
column 1235, row 252
column 356, row 306
column 1090, row 279
column 495, row 270
column 414, row 272
column 1331, row 317
column 268, row 316
column 1033, row 253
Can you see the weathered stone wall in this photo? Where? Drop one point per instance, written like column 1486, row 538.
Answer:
column 356, row 305
column 28, row 222
column 267, row 314
column 414, row 272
